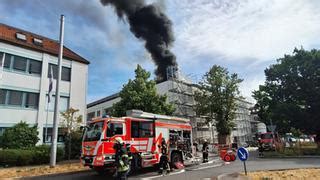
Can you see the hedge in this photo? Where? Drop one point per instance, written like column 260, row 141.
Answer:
column 34, row 156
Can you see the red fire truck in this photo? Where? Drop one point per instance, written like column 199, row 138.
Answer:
column 143, row 131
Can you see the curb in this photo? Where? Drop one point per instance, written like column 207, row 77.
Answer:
column 232, row 176
column 238, row 176
column 289, row 157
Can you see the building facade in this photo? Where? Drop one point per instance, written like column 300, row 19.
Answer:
column 243, row 132
column 26, row 60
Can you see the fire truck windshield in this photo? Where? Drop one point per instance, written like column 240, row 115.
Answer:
column 93, row 131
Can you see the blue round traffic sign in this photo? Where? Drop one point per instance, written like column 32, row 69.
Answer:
column 243, row 154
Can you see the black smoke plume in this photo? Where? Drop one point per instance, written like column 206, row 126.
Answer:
column 149, row 23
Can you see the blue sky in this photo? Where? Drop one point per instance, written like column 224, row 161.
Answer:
column 245, row 36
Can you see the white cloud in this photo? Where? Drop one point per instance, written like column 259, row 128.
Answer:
column 261, row 30
column 247, row 87
column 244, row 36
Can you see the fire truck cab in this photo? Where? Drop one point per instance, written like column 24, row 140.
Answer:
column 143, row 132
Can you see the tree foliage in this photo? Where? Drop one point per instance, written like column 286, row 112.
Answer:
column 290, row 95
column 20, row 136
column 72, row 124
column 141, row 94
column 216, row 98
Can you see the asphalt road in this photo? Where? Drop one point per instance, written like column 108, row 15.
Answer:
column 203, row 171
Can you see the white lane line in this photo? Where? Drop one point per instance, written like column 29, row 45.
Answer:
column 184, row 170
column 158, row 176
column 207, row 167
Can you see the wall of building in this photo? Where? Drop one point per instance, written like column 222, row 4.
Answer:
column 75, row 89
column 101, row 108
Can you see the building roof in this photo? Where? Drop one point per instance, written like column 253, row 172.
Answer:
column 108, row 98
column 8, row 34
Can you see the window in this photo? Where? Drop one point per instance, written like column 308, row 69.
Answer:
column 1, row 56
column 65, row 73
column 35, row 67
column 37, row 41
column 107, row 111
column 142, row 129
column 98, row 113
column 19, row 98
column 7, row 60
column 146, row 129
column 64, row 103
column 32, row 100
column 47, row 138
column 3, row 94
column 20, row 63
column 114, row 129
column 15, row 98
column 54, row 70
column 93, row 131
column 90, row 116
column 21, row 36
column 2, row 129
column 135, row 129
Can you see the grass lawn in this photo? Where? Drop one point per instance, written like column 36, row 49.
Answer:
column 310, row 173
column 40, row 170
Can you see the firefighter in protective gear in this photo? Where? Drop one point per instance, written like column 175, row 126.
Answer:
column 130, row 157
column 121, row 159
column 205, row 151
column 164, row 164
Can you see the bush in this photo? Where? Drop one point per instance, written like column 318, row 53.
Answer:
column 20, row 136
column 32, row 156
column 76, row 139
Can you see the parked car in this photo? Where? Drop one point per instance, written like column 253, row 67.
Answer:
column 290, row 138
column 304, row 138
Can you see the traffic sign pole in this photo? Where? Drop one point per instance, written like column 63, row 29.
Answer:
column 243, row 155
column 245, row 167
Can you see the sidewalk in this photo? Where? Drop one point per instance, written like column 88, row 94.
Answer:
column 27, row 171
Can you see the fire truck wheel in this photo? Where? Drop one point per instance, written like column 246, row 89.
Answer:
column 175, row 158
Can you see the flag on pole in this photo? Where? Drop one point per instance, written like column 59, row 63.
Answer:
column 50, row 84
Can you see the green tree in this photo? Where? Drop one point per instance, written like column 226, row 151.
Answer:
column 216, row 99
column 20, row 136
column 71, row 123
column 141, row 94
column 290, row 96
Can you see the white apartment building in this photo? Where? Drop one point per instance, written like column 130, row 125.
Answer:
column 24, row 83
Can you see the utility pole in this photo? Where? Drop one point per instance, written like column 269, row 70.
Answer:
column 53, row 155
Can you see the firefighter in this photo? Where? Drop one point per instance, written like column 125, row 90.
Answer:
column 205, row 151
column 164, row 164
column 260, row 148
column 121, row 159
column 130, row 157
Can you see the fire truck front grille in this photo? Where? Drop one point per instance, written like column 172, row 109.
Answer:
column 88, row 160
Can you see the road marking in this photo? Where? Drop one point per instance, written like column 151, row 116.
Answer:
column 184, row 170
column 170, row 174
column 207, row 167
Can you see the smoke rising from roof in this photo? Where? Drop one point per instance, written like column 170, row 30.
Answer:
column 149, row 23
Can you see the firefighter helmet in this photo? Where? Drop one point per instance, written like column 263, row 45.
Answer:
column 118, row 140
